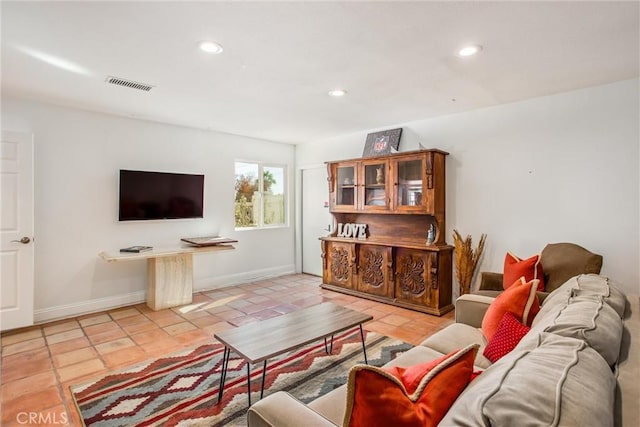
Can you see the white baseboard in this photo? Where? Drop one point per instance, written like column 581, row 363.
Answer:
column 109, row 303
column 217, row 282
column 90, row 306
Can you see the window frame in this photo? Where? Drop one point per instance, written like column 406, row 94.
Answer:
column 286, row 190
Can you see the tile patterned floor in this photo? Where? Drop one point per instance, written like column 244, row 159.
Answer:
column 40, row 363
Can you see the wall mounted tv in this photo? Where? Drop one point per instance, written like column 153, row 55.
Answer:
column 160, row 195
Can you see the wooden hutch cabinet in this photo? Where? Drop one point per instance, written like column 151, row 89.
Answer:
column 399, row 197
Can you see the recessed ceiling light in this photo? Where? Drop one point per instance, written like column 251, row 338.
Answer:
column 210, row 47
column 337, row 92
column 469, row 50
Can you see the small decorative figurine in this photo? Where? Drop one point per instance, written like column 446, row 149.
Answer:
column 431, row 235
column 380, row 175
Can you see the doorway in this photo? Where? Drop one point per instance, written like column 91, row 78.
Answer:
column 16, row 230
column 316, row 219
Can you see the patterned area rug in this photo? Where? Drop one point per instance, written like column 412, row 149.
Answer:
column 182, row 390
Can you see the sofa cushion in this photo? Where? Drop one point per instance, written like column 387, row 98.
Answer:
column 587, row 317
column 418, row 395
column 562, row 261
column 458, row 335
column 515, row 268
column 509, row 333
column 592, row 284
column 546, row 380
column 519, row 299
column 333, row 404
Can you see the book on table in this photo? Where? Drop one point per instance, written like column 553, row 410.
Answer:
column 136, row 249
column 207, row 241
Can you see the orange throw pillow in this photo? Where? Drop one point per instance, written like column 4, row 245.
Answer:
column 515, row 268
column 419, row 395
column 520, row 299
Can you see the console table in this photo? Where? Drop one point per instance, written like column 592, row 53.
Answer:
column 169, row 272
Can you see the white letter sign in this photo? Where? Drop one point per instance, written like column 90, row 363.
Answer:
column 358, row 231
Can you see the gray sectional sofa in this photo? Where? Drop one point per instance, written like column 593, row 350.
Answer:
column 578, row 366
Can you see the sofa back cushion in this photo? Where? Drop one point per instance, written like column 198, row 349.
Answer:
column 562, row 261
column 587, row 284
column 587, row 317
column 547, row 380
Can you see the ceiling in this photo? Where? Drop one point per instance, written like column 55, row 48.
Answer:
column 397, row 60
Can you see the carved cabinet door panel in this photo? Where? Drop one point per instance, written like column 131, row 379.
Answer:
column 375, row 268
column 340, row 261
column 416, row 280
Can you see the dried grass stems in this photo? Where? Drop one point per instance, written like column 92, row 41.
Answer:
column 466, row 259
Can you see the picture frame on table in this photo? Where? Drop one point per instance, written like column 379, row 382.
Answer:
column 381, row 143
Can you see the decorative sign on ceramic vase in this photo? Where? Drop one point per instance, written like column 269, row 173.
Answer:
column 356, row 231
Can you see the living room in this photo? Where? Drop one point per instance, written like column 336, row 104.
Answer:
column 562, row 166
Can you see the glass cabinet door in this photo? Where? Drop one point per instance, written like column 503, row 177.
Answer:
column 410, row 183
column 346, row 186
column 375, row 185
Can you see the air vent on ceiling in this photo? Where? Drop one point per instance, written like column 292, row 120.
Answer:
column 129, row 83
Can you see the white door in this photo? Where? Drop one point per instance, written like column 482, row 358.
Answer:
column 316, row 219
column 16, row 230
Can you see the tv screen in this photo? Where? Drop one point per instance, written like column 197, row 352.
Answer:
column 160, row 195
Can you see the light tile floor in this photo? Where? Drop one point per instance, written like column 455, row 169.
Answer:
column 41, row 362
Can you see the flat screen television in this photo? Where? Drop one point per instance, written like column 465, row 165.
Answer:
column 160, row 195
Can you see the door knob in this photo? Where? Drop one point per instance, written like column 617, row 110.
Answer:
column 24, row 240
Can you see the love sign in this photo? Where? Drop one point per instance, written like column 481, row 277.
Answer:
column 358, row 231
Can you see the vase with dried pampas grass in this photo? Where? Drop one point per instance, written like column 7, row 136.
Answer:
column 466, row 259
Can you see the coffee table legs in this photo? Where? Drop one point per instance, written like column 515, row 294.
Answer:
column 223, row 375
column 329, row 350
column 264, row 372
column 364, row 349
column 249, row 382
column 225, row 363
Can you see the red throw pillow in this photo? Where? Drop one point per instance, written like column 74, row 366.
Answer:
column 515, row 268
column 509, row 333
column 419, row 395
column 520, row 299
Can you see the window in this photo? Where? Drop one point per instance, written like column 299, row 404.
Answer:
column 260, row 195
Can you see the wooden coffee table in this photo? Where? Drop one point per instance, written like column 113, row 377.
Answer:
column 259, row 341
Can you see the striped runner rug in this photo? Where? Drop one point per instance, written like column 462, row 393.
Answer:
column 182, row 390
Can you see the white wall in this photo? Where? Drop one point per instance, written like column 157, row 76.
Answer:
column 561, row 168
column 77, row 158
